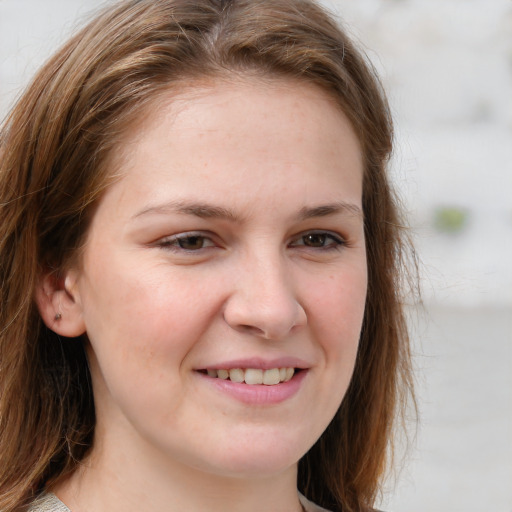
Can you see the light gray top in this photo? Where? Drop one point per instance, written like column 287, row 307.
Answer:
column 309, row 506
column 50, row 503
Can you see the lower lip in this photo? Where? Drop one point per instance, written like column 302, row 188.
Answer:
column 258, row 394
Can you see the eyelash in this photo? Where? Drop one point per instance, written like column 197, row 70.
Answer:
column 176, row 242
column 336, row 241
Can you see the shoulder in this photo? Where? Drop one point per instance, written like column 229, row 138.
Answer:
column 48, row 503
column 309, row 506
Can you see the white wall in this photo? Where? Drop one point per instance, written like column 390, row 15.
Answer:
column 448, row 67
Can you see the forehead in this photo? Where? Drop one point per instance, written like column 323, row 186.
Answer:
column 249, row 133
column 202, row 106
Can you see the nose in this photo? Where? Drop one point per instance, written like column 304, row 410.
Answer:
column 263, row 302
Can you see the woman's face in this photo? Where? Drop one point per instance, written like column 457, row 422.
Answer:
column 232, row 244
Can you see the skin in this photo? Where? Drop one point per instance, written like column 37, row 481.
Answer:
column 266, row 275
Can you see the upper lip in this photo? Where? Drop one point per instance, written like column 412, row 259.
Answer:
column 259, row 363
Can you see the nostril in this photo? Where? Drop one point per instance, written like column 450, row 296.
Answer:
column 270, row 316
column 251, row 329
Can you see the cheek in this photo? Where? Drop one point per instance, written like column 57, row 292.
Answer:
column 336, row 317
column 336, row 310
column 338, row 305
column 139, row 321
column 141, row 329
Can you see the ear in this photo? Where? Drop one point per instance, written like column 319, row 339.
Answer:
column 58, row 303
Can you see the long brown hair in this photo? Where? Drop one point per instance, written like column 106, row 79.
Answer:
column 54, row 152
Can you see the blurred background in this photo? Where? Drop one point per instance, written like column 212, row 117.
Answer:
column 447, row 66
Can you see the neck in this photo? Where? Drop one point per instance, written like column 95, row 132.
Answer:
column 133, row 482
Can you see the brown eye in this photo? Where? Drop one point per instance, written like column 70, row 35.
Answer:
column 191, row 243
column 321, row 240
column 186, row 242
column 315, row 239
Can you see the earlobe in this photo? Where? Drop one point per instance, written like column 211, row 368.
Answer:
column 58, row 303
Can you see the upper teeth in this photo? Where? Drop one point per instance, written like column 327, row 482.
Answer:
column 254, row 375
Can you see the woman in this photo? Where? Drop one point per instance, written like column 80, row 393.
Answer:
column 200, row 265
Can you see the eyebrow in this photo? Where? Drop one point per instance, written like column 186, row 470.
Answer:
column 202, row 210
column 209, row 211
column 331, row 209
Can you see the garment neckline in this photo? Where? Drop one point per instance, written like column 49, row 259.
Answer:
column 49, row 499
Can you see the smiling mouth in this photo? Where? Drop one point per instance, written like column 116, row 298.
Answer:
column 253, row 376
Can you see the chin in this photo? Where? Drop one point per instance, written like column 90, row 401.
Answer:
column 259, row 457
column 264, row 467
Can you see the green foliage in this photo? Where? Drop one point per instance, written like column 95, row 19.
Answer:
column 450, row 219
